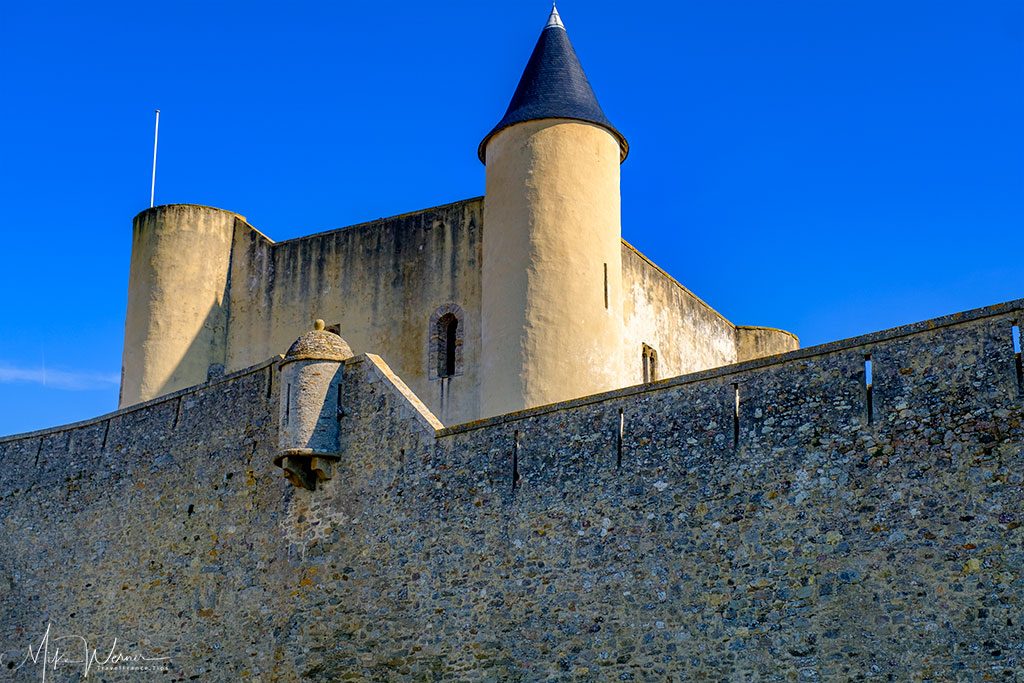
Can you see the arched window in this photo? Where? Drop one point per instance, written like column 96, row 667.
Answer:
column 447, row 330
column 650, row 359
column 447, row 334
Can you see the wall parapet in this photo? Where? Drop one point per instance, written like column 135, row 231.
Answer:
column 872, row 338
column 679, row 285
column 377, row 221
column 127, row 410
column 428, row 418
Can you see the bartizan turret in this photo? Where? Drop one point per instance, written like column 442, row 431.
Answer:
column 552, row 322
column 310, row 376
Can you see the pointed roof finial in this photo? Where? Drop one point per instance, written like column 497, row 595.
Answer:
column 553, row 86
column 555, row 21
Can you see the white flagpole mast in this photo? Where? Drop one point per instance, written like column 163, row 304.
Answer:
column 156, row 135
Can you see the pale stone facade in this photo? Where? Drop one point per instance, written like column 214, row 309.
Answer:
column 544, row 301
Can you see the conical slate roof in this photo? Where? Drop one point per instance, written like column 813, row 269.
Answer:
column 553, row 86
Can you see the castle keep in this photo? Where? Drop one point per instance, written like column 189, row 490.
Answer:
column 523, row 297
column 529, row 455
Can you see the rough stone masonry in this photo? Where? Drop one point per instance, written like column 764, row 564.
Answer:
column 662, row 532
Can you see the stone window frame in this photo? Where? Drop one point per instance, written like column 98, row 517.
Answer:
column 434, row 338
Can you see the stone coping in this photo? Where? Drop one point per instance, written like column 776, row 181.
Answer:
column 420, row 411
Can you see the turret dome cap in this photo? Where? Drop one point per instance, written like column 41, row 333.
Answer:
column 319, row 344
column 553, row 86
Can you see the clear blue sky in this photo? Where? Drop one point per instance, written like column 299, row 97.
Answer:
column 823, row 166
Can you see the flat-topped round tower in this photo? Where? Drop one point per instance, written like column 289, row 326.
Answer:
column 176, row 325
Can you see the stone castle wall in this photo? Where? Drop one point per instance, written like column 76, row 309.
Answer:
column 687, row 334
column 209, row 293
column 644, row 534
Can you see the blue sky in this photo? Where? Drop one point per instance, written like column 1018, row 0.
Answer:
column 827, row 167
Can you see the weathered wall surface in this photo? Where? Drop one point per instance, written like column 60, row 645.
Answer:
column 208, row 293
column 758, row 342
column 176, row 324
column 822, row 544
column 381, row 281
column 688, row 334
column 167, row 527
column 552, row 280
column 155, row 525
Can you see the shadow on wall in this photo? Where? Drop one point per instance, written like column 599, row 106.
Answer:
column 177, row 315
column 202, row 360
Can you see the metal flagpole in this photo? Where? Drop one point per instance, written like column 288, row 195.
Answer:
column 156, row 134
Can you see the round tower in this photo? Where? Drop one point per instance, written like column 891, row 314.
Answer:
column 552, row 324
column 176, row 326
column 308, row 436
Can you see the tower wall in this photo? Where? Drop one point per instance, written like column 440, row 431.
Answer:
column 176, row 324
column 758, row 342
column 551, row 318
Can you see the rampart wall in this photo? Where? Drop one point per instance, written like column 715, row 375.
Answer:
column 650, row 533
